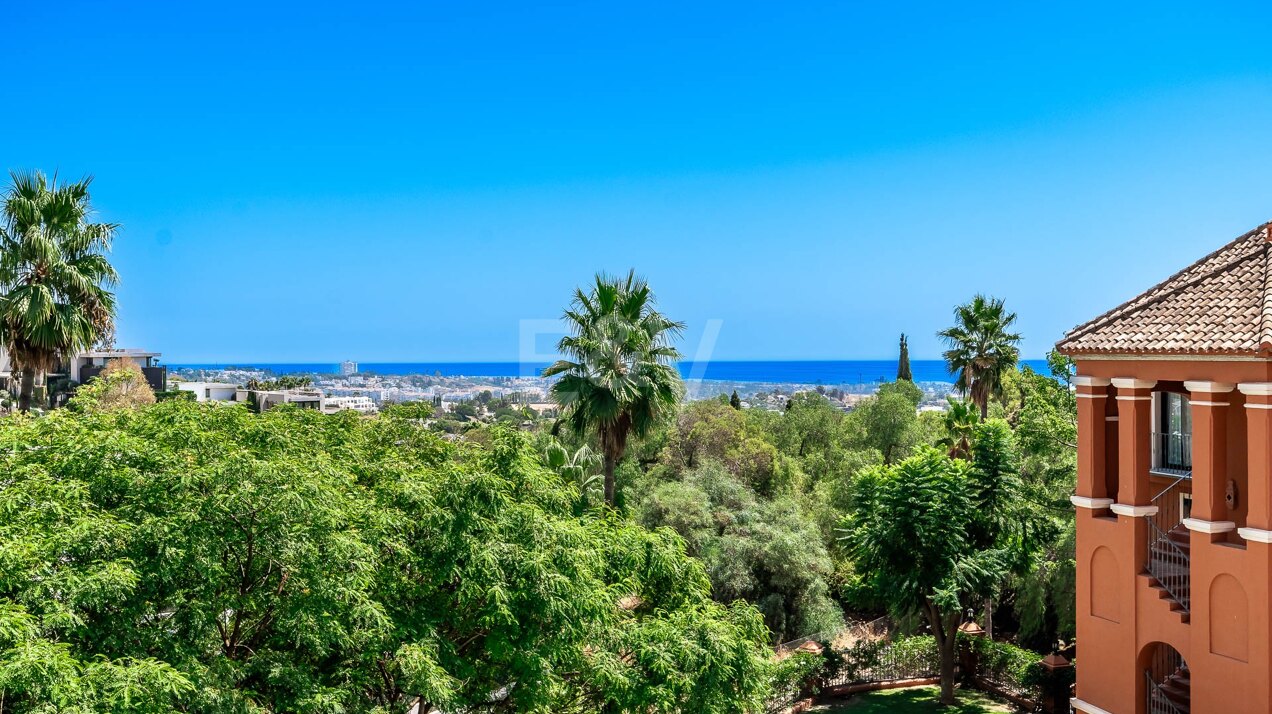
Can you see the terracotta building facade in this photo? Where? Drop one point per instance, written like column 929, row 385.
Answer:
column 1174, row 492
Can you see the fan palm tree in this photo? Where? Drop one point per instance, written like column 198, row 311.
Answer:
column 960, row 423
column 580, row 468
column 619, row 376
column 53, row 273
column 981, row 349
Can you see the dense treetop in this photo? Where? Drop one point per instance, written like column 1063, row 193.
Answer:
column 201, row 558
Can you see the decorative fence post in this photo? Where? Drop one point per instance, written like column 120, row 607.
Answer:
column 1056, row 683
column 968, row 657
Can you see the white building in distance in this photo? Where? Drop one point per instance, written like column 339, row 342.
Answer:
column 362, row 405
column 348, row 367
column 210, row 391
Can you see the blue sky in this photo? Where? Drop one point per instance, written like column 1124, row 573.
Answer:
column 376, row 181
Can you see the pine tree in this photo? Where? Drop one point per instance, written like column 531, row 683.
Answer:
column 735, row 401
column 903, row 364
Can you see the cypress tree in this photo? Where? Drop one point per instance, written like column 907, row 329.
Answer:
column 735, row 401
column 903, row 364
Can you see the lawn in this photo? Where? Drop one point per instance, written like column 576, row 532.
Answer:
column 916, row 700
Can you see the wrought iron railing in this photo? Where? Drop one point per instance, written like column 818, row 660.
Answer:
column 1174, row 453
column 1158, row 701
column 1168, row 563
column 884, row 661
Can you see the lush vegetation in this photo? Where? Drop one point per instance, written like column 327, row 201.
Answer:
column 201, row 558
column 622, row 552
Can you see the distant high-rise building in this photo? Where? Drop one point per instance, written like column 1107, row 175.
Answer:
column 348, row 367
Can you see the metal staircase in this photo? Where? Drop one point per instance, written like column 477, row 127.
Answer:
column 1168, row 560
column 1169, row 684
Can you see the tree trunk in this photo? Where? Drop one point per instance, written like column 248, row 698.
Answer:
column 949, row 652
column 989, row 617
column 946, row 635
column 27, row 389
column 611, row 464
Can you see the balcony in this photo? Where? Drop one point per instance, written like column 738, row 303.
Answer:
column 156, row 377
column 1172, row 454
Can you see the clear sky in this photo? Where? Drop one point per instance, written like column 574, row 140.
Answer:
column 394, row 182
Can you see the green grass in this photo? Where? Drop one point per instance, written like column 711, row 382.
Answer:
column 916, row 700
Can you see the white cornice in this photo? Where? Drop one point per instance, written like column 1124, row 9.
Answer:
column 1133, row 383
column 1092, row 503
column 1197, row 524
column 1199, row 403
column 1257, row 535
column 1123, row 509
column 1209, row 387
column 1256, row 389
column 1084, row 380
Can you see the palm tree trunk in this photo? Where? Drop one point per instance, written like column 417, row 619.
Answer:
column 27, row 389
column 611, row 463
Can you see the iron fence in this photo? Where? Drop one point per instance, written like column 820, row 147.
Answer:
column 887, row 661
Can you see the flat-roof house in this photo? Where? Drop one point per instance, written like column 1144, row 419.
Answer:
column 268, row 399
column 210, row 391
column 90, row 363
column 1174, row 492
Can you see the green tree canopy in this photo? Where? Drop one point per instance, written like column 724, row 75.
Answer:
column 205, row 558
column 889, row 420
column 917, row 536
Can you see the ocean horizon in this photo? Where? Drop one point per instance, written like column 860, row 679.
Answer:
column 829, row 372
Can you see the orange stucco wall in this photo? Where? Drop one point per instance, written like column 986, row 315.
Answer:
column 1226, row 639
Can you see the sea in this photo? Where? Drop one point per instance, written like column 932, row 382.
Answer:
column 828, row 372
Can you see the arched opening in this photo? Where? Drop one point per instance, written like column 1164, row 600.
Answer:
column 1168, row 685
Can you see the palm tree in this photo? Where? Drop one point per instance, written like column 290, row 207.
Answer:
column 619, row 377
column 53, row 273
column 960, row 423
column 579, row 468
column 981, row 349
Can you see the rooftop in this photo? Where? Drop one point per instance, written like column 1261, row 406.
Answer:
column 1220, row 305
column 120, row 353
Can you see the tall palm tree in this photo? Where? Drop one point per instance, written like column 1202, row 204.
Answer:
column 53, row 273
column 981, row 348
column 619, row 377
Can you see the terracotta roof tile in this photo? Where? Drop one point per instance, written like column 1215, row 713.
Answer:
column 1222, row 304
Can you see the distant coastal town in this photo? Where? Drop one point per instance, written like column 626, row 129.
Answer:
column 366, row 388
